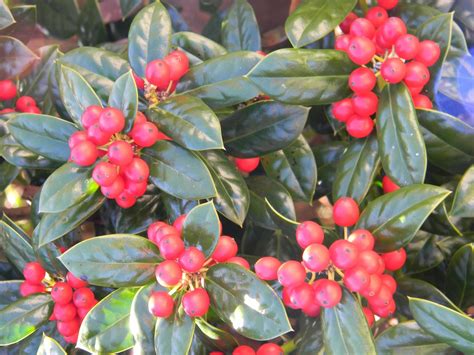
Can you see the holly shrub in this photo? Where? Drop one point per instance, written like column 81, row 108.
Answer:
column 176, row 193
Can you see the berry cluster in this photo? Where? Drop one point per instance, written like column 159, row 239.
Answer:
column 265, row 349
column 122, row 175
column 395, row 55
column 247, row 165
column 24, row 104
column 184, row 269
column 350, row 261
column 72, row 299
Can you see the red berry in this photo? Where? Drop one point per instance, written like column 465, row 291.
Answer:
column 266, row 268
column 369, row 260
column 64, row 312
column 346, row 24
column 363, row 28
column 291, row 273
column 71, row 339
column 356, row 279
column 24, row 103
column 125, row 199
column 105, row 173
column 417, row 74
column 312, row 310
column 226, row 248
column 138, row 81
column 345, row 212
column 135, row 189
column 365, row 104
column 414, row 90
column 381, row 44
column 377, row 15
column 386, row 310
column 82, row 312
column 388, row 185
column 422, row 101
column 120, row 153
column 7, row 90
column 309, row 232
column 369, row 316
column 285, row 296
column 157, row 73
column 178, row 223
column 428, row 53
column 328, row 293
column 382, row 298
column 137, row 170
column 153, row 228
column 97, row 136
column 361, row 50
column 192, row 259
column 160, row 304
column 145, row 134
column 362, row 80
column 6, row 110
column 83, row 298
column 178, row 64
column 316, row 257
column 32, row 109
column 69, row 328
column 395, row 259
column 77, row 137
column 375, row 282
column 111, row 120
column 163, row 231
column 75, row 282
column 407, row 46
column 168, row 273
column 196, row 303
column 393, row 70
column 61, row 293
column 115, row 189
column 243, row 350
column 343, row 254
column 342, row 42
column 34, row 272
column 301, row 296
column 390, row 282
column 362, row 239
column 247, row 165
column 359, row 126
column 91, row 116
column 27, row 288
column 393, row 29
column 269, row 349
column 171, row 246
column 84, row 153
column 239, row 261
column 387, row 4
column 342, row 110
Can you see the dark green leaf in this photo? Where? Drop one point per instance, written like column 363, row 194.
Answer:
column 178, row 171
column 189, row 121
column 175, row 207
column 463, row 201
column 6, row 17
column 240, row 30
column 66, row 187
column 327, row 157
column 128, row 7
column 199, row 46
column 356, row 169
column 314, row 19
column 149, row 37
column 218, row 338
column 201, row 228
column 115, row 260
column 395, row 218
column 8, row 173
column 309, row 339
column 23, row 317
column 304, row 76
column 423, row 253
column 414, row 14
column 444, row 324
column 16, row 57
column 345, row 329
column 9, row 292
column 221, row 81
column 48, row 258
column 59, row 17
column 401, row 146
column 246, row 303
column 91, row 26
column 124, row 96
column 45, row 135
column 105, row 329
column 49, row 346
column 263, row 127
column 460, row 277
column 15, row 244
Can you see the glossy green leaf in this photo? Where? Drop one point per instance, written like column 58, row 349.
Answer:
column 59, row 17
column 309, row 339
column 115, row 260
column 304, row 76
column 314, row 19
column 45, row 135
column 232, row 199
column 240, row 30
column 8, row 173
column 6, row 17
column 149, row 37
column 23, row 317
column 67, row 186
column 76, row 93
column 356, row 169
column 327, row 157
column 221, row 81
column 447, row 139
column 262, row 127
column 460, row 276
column 16, row 57
column 394, row 218
column 105, row 329
column 463, row 201
column 424, row 253
column 401, row 146
column 9, row 292
column 218, row 338
column 55, row 225
column 189, row 121
column 409, row 338
column 199, row 46
column 175, row 207
column 173, row 335
column 49, row 346
column 201, row 228
column 128, row 7
column 444, row 324
column 178, row 171
column 91, row 26
column 245, row 303
column 124, row 96
column 15, row 244
column 345, row 330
